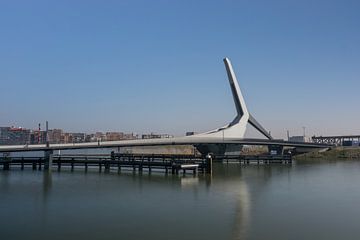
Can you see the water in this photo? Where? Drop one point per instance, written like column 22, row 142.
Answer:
column 302, row 201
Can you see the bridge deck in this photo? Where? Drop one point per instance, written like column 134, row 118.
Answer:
column 160, row 142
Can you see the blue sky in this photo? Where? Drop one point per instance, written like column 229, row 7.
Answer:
column 141, row 66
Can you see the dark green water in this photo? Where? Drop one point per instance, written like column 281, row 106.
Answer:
column 303, row 201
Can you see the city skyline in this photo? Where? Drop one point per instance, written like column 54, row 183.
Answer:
column 96, row 67
column 11, row 135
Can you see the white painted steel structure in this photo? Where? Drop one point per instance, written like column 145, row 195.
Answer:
column 237, row 128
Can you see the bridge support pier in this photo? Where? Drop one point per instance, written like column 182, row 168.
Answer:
column 209, row 160
column 48, row 160
column 107, row 166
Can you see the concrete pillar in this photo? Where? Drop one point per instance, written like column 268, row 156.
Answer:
column 107, row 166
column 72, row 164
column 209, row 160
column 48, row 157
column 40, row 164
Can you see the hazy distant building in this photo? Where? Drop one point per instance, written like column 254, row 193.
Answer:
column 114, row 136
column 90, row 138
column 298, row 139
column 55, row 135
column 38, row 137
column 100, row 136
column 153, row 135
column 78, row 137
column 4, row 135
column 13, row 135
column 129, row 136
column 66, row 138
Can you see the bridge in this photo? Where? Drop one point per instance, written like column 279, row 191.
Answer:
column 226, row 139
column 162, row 142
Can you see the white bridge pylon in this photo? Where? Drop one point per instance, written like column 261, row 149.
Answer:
column 236, row 128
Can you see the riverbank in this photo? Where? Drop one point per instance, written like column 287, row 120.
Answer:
column 335, row 153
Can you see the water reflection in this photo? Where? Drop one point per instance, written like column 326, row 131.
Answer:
column 236, row 202
column 189, row 182
column 237, row 188
column 242, row 212
column 47, row 183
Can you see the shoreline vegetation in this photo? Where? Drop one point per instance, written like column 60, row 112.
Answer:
column 334, row 153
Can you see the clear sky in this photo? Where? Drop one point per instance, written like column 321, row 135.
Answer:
column 141, row 66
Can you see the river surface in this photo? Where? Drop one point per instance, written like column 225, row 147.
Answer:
column 304, row 201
